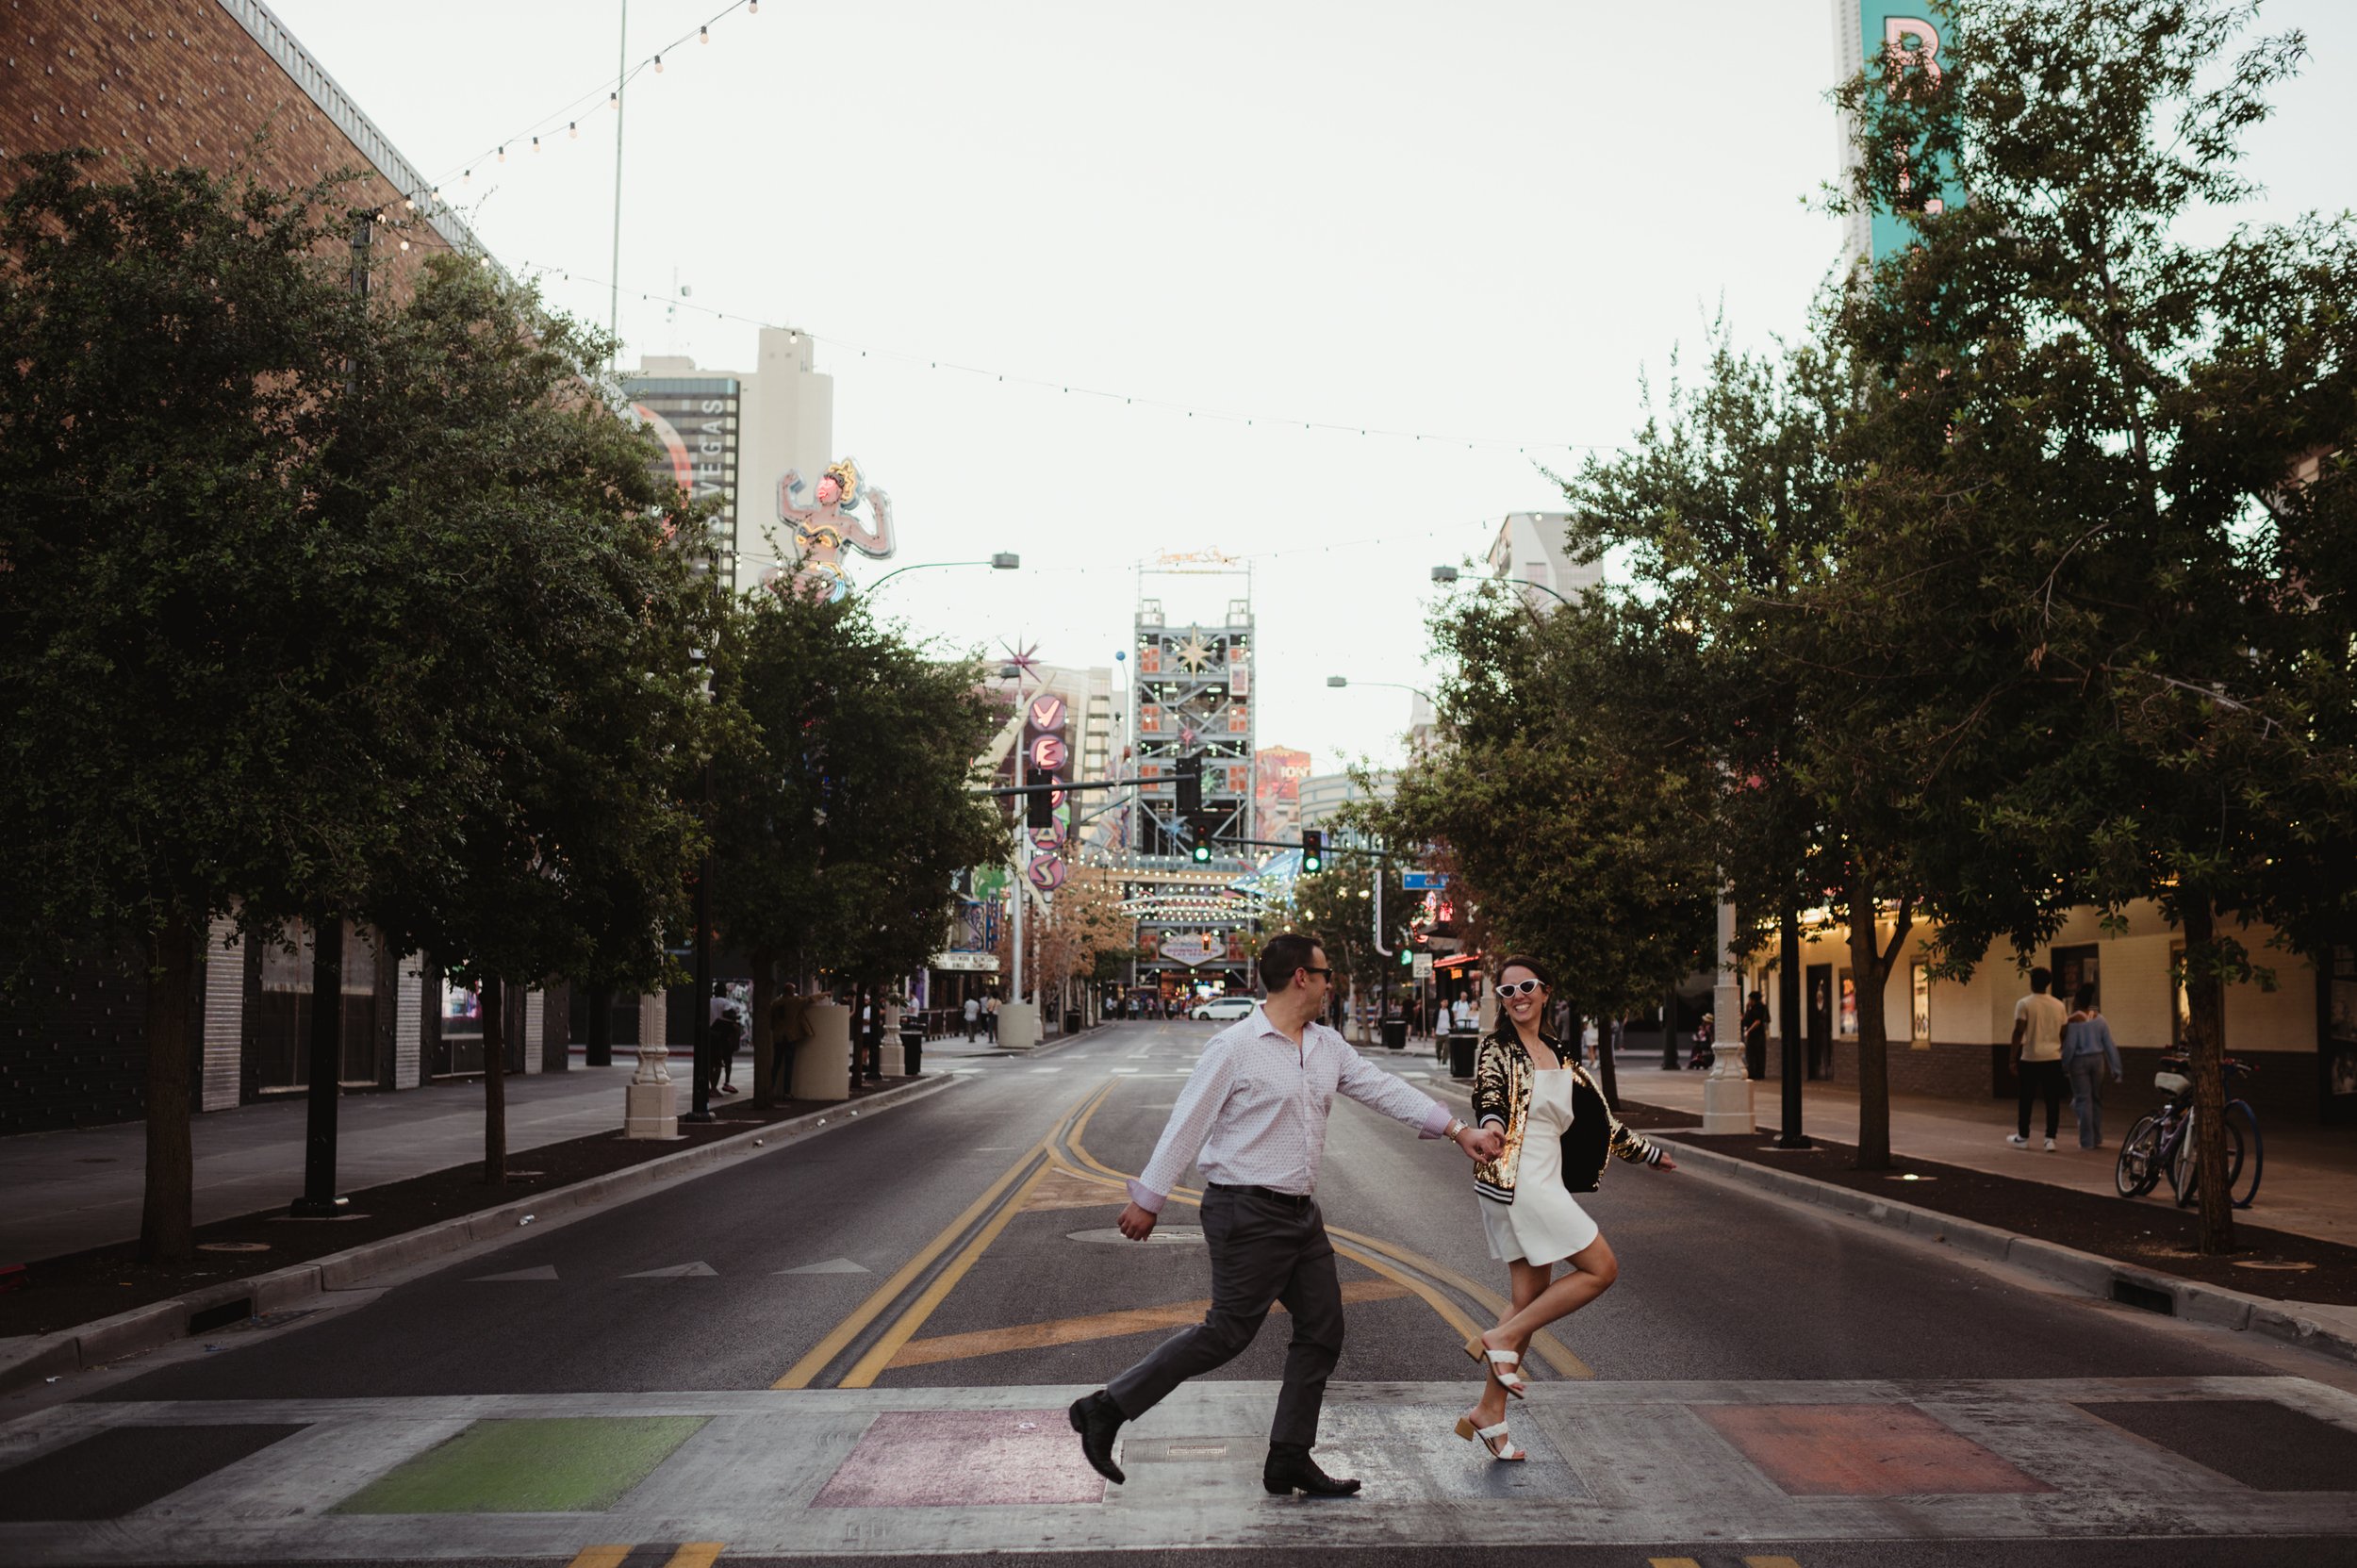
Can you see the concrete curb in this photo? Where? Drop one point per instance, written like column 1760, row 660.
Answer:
column 2088, row 1272
column 47, row 1356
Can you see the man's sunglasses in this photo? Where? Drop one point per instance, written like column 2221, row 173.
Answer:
column 1518, row 987
column 1307, row 970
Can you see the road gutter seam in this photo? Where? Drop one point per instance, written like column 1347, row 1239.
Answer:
column 110, row 1339
column 2086, row 1272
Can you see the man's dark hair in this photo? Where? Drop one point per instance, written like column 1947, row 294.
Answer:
column 1284, row 957
column 2085, row 999
column 2040, row 978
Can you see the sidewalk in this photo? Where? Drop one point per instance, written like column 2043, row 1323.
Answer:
column 71, row 1191
column 2309, row 1186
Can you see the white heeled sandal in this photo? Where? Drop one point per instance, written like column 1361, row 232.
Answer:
column 1504, row 1366
column 1492, row 1438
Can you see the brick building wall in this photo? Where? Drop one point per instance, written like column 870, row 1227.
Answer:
column 174, row 82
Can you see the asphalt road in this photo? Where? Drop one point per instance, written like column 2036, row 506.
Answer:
column 953, row 1255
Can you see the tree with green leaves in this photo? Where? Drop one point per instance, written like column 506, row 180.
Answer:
column 2109, row 485
column 195, row 653
column 844, row 797
column 1568, row 794
column 557, row 595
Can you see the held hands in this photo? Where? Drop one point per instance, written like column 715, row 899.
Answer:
column 1481, row 1143
column 1137, row 1222
column 1665, row 1162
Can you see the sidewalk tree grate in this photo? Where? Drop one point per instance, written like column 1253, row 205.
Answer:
column 2266, row 1446
column 124, row 1469
column 566, row 1464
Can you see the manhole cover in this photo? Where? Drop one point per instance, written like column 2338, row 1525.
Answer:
column 1167, row 1235
column 233, row 1246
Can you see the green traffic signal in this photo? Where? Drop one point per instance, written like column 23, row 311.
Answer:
column 1313, row 850
column 1202, row 855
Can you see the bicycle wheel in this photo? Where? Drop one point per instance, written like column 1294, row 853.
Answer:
column 2244, row 1124
column 2139, row 1167
column 2186, row 1172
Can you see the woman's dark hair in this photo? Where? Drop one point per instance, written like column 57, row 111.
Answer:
column 2084, row 997
column 1519, row 961
column 1283, row 957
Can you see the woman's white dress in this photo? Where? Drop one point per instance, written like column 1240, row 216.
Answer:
column 1544, row 1223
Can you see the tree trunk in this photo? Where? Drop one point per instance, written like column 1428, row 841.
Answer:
column 2205, row 1044
column 598, row 1041
column 1795, row 1053
column 1573, row 1026
column 494, row 1004
column 1873, row 1047
column 764, row 1048
column 167, row 1216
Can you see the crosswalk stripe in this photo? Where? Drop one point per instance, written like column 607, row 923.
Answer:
column 696, row 1554
column 1769, row 1562
column 599, row 1557
column 1671, row 1563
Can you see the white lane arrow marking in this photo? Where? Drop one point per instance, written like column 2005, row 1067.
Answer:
column 832, row 1266
column 681, row 1271
column 546, row 1271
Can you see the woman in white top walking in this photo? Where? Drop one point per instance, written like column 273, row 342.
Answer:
column 1558, row 1129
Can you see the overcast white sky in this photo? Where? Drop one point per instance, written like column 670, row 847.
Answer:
column 1478, row 219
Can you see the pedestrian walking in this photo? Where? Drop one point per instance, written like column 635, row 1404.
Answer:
column 1555, row 1129
column 1252, row 1118
column 2038, row 1026
column 789, row 1026
column 2087, row 1053
column 973, row 1019
column 990, row 1019
column 1755, row 1022
column 727, row 1034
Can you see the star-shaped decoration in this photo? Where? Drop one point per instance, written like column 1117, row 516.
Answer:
column 1193, row 653
column 1026, row 661
column 1186, row 735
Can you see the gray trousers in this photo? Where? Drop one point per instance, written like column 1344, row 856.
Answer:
column 1262, row 1251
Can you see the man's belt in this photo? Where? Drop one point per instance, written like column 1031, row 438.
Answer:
column 1296, row 1200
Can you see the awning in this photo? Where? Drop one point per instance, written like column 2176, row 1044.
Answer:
column 1457, row 963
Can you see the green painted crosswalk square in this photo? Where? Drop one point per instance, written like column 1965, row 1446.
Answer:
column 570, row 1465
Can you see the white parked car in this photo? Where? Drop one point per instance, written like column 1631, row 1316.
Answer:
column 1224, row 1010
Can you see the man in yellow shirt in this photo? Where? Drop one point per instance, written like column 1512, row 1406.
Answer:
column 2038, row 1028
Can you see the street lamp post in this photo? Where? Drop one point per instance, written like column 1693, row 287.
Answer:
column 1338, row 681
column 1450, row 574
column 1005, row 560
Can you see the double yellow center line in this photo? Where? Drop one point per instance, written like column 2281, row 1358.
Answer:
column 1029, row 1170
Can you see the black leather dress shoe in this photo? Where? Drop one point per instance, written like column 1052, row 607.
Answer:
column 1290, row 1470
column 1098, row 1419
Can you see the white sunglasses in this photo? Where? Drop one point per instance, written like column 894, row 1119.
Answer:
column 1518, row 987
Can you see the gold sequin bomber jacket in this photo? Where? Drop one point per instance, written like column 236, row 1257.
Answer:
column 1501, row 1098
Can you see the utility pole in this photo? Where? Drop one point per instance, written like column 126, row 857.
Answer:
column 614, row 266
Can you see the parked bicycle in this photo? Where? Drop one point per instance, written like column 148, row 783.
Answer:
column 2163, row 1143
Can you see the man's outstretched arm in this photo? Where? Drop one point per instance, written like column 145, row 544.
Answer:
column 1182, row 1141
column 1401, row 1100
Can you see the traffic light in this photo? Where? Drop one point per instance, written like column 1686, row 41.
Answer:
column 1407, row 959
column 1313, row 850
column 1039, row 809
column 1190, row 804
column 1202, row 849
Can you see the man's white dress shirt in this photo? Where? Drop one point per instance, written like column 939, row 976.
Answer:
column 1254, row 1112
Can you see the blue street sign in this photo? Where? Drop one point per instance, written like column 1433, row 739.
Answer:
column 1424, row 882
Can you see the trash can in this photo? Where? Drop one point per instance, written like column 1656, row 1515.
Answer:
column 912, row 1048
column 1395, row 1035
column 1072, row 1021
column 1462, row 1043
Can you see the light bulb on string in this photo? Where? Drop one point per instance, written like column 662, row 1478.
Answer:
column 613, row 99
column 658, row 65
column 535, row 143
column 754, row 8
column 502, row 152
column 703, row 35
column 572, row 129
